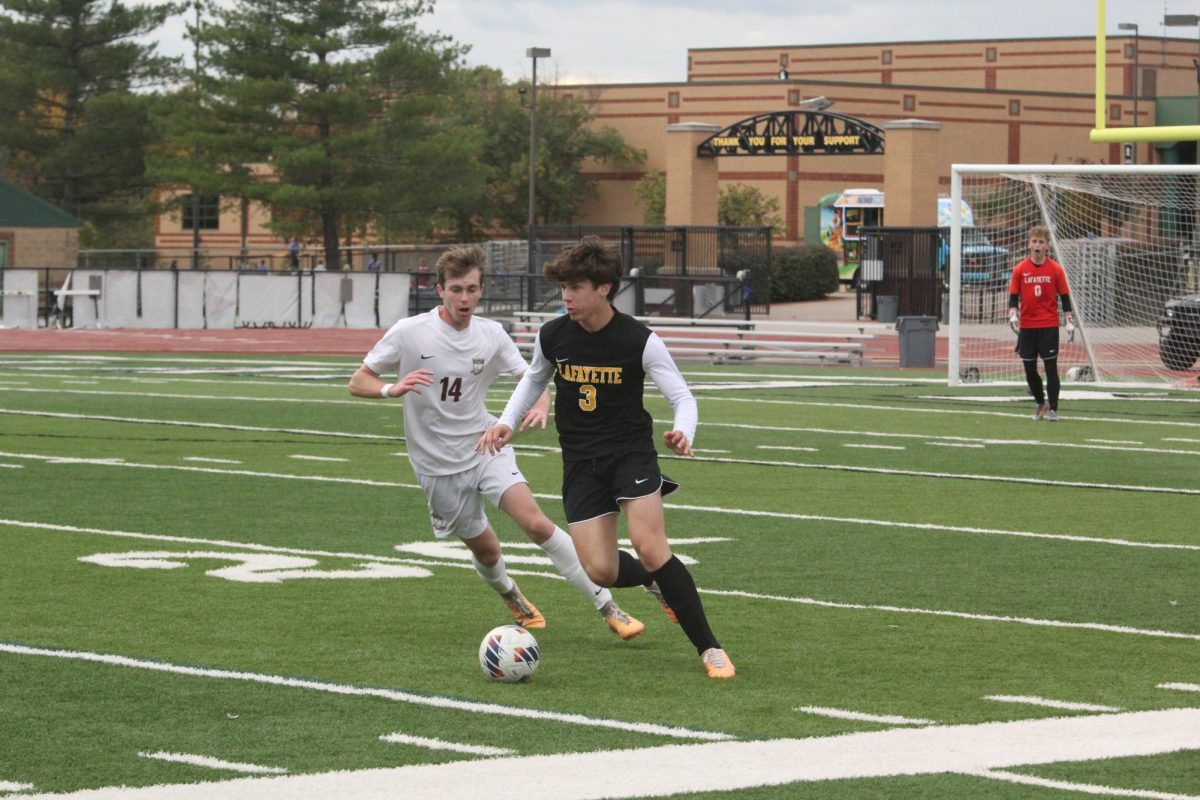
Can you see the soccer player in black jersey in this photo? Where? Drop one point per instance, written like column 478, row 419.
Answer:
column 599, row 359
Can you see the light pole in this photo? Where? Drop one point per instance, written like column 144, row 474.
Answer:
column 533, row 53
column 1187, row 21
column 1137, row 74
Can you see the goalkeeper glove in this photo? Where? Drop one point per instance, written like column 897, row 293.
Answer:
column 1070, row 327
column 1013, row 321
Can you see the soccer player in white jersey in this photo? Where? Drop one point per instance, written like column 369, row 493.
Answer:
column 443, row 363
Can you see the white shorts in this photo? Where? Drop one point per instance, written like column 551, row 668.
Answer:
column 456, row 501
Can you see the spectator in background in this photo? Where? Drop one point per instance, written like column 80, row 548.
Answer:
column 373, row 264
column 294, row 253
column 422, row 274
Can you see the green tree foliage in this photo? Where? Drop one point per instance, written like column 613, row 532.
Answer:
column 739, row 204
column 651, row 194
column 74, row 114
column 496, row 117
column 339, row 99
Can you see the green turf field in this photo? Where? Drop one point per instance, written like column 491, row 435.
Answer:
column 200, row 581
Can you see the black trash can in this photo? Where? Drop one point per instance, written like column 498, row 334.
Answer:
column 917, row 339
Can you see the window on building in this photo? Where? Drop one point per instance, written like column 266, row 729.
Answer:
column 991, row 54
column 783, row 59
column 1114, row 111
column 1014, row 108
column 207, row 211
column 885, row 57
column 910, row 102
column 793, row 97
column 673, row 99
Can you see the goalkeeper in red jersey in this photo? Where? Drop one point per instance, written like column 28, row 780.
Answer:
column 1033, row 292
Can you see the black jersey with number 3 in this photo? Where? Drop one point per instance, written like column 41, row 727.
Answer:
column 598, row 385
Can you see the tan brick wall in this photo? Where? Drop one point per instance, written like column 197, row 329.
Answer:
column 911, row 173
column 43, row 247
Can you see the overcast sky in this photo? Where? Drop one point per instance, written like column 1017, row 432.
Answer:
column 646, row 41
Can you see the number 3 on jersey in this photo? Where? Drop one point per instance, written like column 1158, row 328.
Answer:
column 587, row 399
column 451, row 389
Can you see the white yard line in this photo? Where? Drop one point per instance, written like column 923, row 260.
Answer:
column 1081, row 788
column 204, row 460
column 366, row 691
column 1181, row 687
column 318, row 458
column 213, row 763
column 12, row 786
column 1046, row 703
column 438, row 744
column 722, row 766
column 875, row 446
column 858, row 716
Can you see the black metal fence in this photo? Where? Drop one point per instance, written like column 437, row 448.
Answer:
column 902, row 269
column 681, row 271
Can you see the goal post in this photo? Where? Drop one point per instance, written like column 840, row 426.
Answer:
column 1126, row 237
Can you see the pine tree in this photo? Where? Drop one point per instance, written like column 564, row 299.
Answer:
column 74, row 110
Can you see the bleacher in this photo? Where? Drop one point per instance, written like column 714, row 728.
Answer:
column 720, row 341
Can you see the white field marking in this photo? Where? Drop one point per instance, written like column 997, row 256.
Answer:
column 12, row 466
column 10, row 786
column 1181, row 687
column 970, row 412
column 78, row 383
column 1046, row 703
column 433, row 701
column 438, row 744
column 14, row 383
column 729, row 593
column 875, row 446
column 1081, row 788
column 727, row 766
column 1174, row 439
column 967, row 439
column 785, row 447
column 857, row 716
column 226, row 398
column 214, row 763
column 212, row 460
column 1115, row 441
column 223, row 426
column 318, row 458
column 919, row 473
column 957, row 444
column 255, row 567
column 932, row 612
column 702, row 450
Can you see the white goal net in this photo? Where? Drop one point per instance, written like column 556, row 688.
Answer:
column 1126, row 237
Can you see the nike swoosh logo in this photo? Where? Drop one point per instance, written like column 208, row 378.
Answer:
column 640, row 481
column 515, row 472
column 559, row 360
column 423, row 357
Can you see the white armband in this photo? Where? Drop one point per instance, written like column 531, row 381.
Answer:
column 385, row 391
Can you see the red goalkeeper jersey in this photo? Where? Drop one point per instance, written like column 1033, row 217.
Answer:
column 1038, row 288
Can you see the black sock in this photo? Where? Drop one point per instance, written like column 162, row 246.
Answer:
column 679, row 590
column 630, row 571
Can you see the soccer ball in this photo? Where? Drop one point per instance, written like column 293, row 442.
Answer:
column 509, row 653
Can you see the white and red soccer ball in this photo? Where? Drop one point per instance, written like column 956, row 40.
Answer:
column 509, row 653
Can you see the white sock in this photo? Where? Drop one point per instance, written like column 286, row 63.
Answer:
column 494, row 576
column 562, row 553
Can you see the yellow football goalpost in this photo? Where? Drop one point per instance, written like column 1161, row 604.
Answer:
column 1103, row 135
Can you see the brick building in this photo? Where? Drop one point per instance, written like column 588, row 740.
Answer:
column 34, row 233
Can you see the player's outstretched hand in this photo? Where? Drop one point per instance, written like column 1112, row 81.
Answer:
column 494, row 438
column 678, row 442
column 1014, row 321
column 412, row 382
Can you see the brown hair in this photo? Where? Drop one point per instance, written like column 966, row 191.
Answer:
column 1040, row 231
column 591, row 260
column 458, row 261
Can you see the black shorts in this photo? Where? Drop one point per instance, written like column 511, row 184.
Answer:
column 594, row 487
column 1034, row 342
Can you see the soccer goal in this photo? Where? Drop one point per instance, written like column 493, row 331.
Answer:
column 1125, row 236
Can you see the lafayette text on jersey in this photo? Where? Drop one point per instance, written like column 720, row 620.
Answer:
column 443, row 422
column 599, row 380
column 1038, row 287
